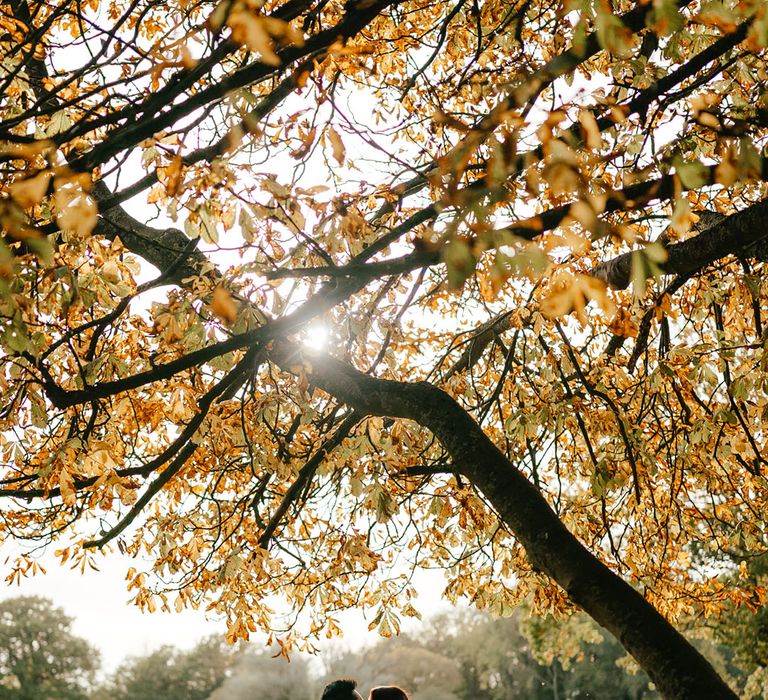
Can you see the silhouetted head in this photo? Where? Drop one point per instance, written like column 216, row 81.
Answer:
column 342, row 689
column 388, row 692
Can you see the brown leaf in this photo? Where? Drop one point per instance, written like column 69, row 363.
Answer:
column 337, row 145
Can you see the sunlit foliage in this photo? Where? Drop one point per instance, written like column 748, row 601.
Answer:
column 552, row 211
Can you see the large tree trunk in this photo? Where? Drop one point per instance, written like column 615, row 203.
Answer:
column 675, row 666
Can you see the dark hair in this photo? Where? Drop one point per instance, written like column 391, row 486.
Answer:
column 341, row 689
column 388, row 692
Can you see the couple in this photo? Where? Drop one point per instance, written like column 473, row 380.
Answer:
column 344, row 689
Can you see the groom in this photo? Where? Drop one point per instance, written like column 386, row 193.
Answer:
column 343, row 689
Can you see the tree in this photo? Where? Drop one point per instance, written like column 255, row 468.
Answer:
column 581, row 662
column 172, row 674
column 492, row 656
column 457, row 196
column 466, row 655
column 424, row 669
column 270, row 677
column 743, row 630
column 39, row 655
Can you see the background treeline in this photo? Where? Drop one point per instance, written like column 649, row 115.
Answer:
column 463, row 655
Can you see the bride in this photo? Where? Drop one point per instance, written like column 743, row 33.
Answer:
column 388, row 692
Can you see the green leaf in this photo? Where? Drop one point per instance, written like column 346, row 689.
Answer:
column 191, row 228
column 612, row 35
column 42, row 248
column 385, row 505
column 692, row 175
column 59, row 123
column 208, row 229
column 15, row 339
column 758, row 36
column 460, row 262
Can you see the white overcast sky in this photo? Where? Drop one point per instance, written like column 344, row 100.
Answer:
column 98, row 602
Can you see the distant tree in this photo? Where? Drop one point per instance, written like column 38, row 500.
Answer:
column 492, row 656
column 742, row 627
column 171, row 674
column 579, row 662
column 598, row 673
column 468, row 655
column 259, row 675
column 40, row 658
column 425, row 672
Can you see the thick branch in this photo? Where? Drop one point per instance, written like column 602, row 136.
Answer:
column 631, row 197
column 481, row 338
column 733, row 235
column 326, row 298
column 678, row 670
column 169, row 250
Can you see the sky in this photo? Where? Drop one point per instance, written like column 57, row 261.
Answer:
column 99, row 604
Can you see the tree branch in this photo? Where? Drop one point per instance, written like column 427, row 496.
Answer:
column 733, row 235
column 305, row 475
column 550, row 547
column 245, row 367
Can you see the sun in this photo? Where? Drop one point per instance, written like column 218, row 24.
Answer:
column 316, row 337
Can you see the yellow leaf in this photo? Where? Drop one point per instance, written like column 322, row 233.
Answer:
column 219, row 15
column 562, row 178
column 583, row 212
column 682, row 217
column 223, row 305
column 28, row 192
column 704, row 101
column 558, row 302
column 573, row 293
column 596, row 290
column 27, row 151
column 590, row 131
column 76, row 211
column 249, row 30
column 618, row 114
column 726, row 173
column 711, row 121
column 285, row 31
column 374, row 431
column 110, row 272
column 187, row 60
column 556, row 117
column 170, row 176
